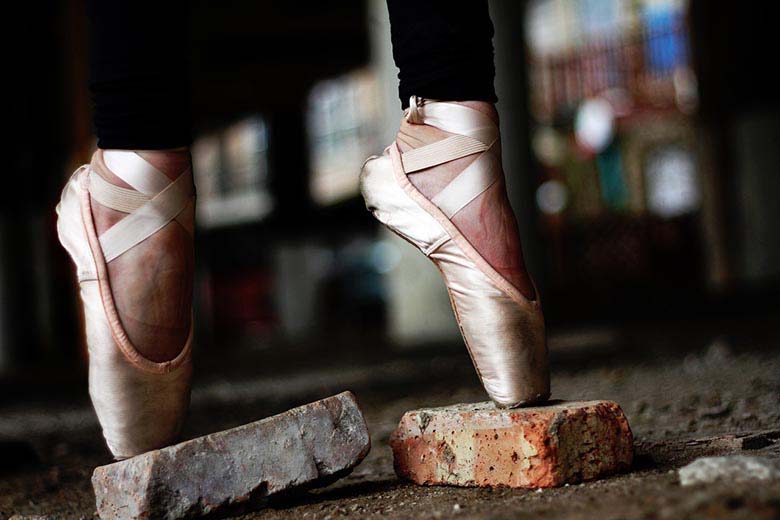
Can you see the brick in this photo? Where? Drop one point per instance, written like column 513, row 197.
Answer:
column 481, row 445
column 238, row 468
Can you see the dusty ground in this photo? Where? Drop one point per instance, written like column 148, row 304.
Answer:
column 686, row 391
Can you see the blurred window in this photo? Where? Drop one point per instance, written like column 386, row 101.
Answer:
column 342, row 129
column 612, row 91
column 579, row 49
column 231, row 172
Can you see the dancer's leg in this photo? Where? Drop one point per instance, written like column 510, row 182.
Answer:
column 441, row 187
column 444, row 52
column 127, row 222
column 139, row 66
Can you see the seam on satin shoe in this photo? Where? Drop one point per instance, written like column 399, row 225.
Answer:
column 369, row 158
column 428, row 251
column 118, row 333
column 472, row 254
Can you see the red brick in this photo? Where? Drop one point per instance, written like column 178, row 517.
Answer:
column 481, row 445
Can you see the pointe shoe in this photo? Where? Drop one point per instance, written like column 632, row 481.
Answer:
column 503, row 330
column 140, row 403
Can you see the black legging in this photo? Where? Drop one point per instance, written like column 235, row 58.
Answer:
column 139, row 71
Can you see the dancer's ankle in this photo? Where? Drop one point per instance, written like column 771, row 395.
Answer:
column 487, row 108
column 172, row 162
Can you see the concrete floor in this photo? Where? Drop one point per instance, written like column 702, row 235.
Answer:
column 685, row 390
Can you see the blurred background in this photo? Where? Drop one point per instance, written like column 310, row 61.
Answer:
column 639, row 144
column 641, row 147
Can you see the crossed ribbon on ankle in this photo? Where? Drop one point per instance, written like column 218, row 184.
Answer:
column 151, row 205
column 474, row 133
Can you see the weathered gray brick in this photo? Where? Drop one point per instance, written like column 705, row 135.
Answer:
column 307, row 446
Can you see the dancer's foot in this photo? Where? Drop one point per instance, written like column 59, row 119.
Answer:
column 127, row 223
column 440, row 187
column 488, row 221
column 152, row 282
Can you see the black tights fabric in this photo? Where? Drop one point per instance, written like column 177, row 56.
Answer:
column 443, row 49
column 138, row 73
column 139, row 69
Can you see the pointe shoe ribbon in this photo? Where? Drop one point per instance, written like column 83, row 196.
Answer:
column 140, row 403
column 155, row 202
column 503, row 330
column 474, row 133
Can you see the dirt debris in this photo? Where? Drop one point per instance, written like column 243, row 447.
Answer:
column 680, row 406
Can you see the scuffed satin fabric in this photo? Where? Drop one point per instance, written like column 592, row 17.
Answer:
column 506, row 341
column 138, row 410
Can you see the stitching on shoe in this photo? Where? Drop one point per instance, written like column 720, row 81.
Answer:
column 428, row 251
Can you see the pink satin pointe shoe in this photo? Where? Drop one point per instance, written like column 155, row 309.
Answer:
column 503, row 330
column 140, row 403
